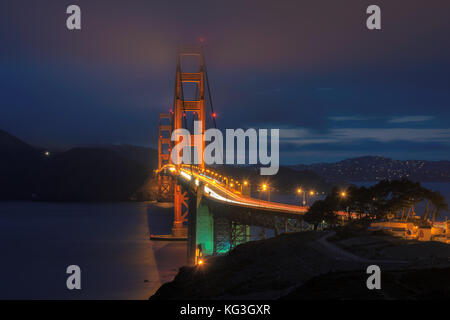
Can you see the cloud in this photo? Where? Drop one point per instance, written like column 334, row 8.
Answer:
column 307, row 146
column 405, row 119
column 303, row 136
column 348, row 118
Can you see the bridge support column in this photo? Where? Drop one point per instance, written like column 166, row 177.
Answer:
column 239, row 233
column 221, row 235
column 205, row 229
column 200, row 228
column 180, row 202
column 192, row 231
column 228, row 234
column 165, row 182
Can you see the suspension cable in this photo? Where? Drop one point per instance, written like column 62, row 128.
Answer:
column 209, row 88
column 213, row 114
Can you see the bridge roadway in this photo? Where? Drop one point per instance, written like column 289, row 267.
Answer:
column 219, row 193
column 216, row 191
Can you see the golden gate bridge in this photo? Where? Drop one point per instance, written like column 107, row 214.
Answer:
column 212, row 211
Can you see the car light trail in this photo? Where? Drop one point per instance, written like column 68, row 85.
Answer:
column 185, row 175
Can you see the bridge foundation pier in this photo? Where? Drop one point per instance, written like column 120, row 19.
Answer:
column 200, row 228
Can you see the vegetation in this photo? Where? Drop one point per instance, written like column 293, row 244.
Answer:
column 386, row 199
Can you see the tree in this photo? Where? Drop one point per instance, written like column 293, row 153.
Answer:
column 322, row 211
column 378, row 201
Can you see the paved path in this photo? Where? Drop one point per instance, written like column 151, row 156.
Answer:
column 338, row 253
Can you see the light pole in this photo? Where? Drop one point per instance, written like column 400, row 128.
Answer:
column 265, row 188
column 311, row 194
column 343, row 195
column 245, row 188
column 301, row 192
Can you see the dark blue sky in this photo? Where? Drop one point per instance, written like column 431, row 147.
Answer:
column 311, row 68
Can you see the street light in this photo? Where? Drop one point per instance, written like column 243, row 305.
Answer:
column 265, row 188
column 300, row 191
column 311, row 194
column 344, row 195
column 245, row 189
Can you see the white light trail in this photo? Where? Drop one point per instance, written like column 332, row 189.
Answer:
column 185, row 175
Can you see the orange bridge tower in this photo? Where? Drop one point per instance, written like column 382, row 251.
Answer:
column 194, row 106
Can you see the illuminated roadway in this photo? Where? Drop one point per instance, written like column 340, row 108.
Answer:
column 216, row 190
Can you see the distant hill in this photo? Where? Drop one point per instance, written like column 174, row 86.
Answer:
column 90, row 174
column 145, row 156
column 124, row 172
column 112, row 173
column 19, row 163
column 374, row 168
column 9, row 143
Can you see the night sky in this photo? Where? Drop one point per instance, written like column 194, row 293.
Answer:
column 312, row 68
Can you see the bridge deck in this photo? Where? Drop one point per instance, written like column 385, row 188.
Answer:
column 217, row 192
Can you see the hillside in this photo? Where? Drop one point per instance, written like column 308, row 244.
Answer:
column 18, row 164
column 305, row 266
column 113, row 173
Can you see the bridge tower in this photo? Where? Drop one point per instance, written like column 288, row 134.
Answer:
column 165, row 183
column 181, row 108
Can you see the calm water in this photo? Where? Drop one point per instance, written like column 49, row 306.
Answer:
column 109, row 241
